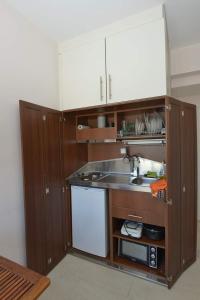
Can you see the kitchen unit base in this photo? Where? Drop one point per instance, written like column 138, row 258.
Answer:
column 121, row 266
column 49, row 197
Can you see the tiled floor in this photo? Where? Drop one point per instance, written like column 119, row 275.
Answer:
column 78, row 279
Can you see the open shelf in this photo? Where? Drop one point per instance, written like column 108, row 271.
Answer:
column 121, row 261
column 141, row 137
column 91, row 131
column 143, row 240
column 141, row 124
column 128, row 124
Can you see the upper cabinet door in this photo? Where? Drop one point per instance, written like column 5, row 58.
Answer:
column 82, row 74
column 136, row 63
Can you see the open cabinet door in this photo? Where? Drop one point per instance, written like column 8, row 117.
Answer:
column 33, row 168
column 189, row 189
column 55, row 243
column 44, row 199
column 173, row 211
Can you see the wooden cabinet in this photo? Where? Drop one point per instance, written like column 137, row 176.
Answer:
column 139, row 207
column 136, row 63
column 44, row 204
column 82, row 75
column 51, row 152
column 130, row 64
column 178, row 213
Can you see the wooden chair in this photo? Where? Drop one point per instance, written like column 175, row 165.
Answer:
column 19, row 283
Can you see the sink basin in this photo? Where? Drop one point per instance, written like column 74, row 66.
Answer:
column 142, row 180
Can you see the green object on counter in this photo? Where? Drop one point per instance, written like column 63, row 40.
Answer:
column 151, row 174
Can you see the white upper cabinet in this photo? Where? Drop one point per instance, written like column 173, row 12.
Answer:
column 82, row 75
column 136, row 63
column 125, row 61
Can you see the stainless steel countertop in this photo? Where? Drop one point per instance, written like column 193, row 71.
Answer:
column 112, row 181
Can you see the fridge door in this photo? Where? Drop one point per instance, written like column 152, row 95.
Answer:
column 89, row 220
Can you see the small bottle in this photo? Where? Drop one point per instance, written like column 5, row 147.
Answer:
column 163, row 169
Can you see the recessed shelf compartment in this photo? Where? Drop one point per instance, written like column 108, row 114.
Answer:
column 90, row 129
column 121, row 251
column 121, row 261
column 143, row 240
column 146, row 123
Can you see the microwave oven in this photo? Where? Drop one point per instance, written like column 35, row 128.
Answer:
column 148, row 255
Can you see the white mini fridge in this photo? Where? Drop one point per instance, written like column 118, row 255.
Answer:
column 89, row 220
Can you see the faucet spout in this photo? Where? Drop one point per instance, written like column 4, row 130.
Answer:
column 135, row 164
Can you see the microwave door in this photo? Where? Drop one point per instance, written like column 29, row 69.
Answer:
column 133, row 251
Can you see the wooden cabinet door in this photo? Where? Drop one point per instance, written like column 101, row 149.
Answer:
column 33, row 166
column 54, row 211
column 82, row 75
column 44, row 208
column 136, row 63
column 173, row 211
column 188, row 178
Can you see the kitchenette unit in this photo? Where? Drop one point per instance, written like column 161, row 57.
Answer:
column 112, row 176
column 89, row 189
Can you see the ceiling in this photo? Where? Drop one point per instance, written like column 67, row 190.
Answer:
column 65, row 19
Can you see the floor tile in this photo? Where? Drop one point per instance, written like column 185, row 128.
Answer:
column 78, row 279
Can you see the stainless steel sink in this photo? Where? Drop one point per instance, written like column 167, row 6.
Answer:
column 121, row 179
column 144, row 181
column 113, row 181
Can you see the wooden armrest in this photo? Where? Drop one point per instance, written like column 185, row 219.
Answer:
column 17, row 282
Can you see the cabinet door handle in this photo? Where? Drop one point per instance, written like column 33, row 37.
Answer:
column 47, row 191
column 110, row 86
column 101, row 88
column 135, row 216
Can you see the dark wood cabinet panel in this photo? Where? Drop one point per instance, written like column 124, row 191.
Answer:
column 44, row 213
column 173, row 232
column 138, row 206
column 33, row 166
column 54, row 198
column 188, row 178
column 182, row 197
column 75, row 155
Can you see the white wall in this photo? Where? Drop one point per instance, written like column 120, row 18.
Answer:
column 28, row 70
column 185, row 77
column 185, row 59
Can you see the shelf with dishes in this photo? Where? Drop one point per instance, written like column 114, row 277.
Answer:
column 131, row 124
column 141, row 124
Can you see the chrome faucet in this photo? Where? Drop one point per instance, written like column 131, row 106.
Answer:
column 134, row 161
column 135, row 164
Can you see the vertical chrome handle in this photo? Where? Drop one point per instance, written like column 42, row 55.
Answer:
column 47, row 191
column 101, row 88
column 110, row 86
